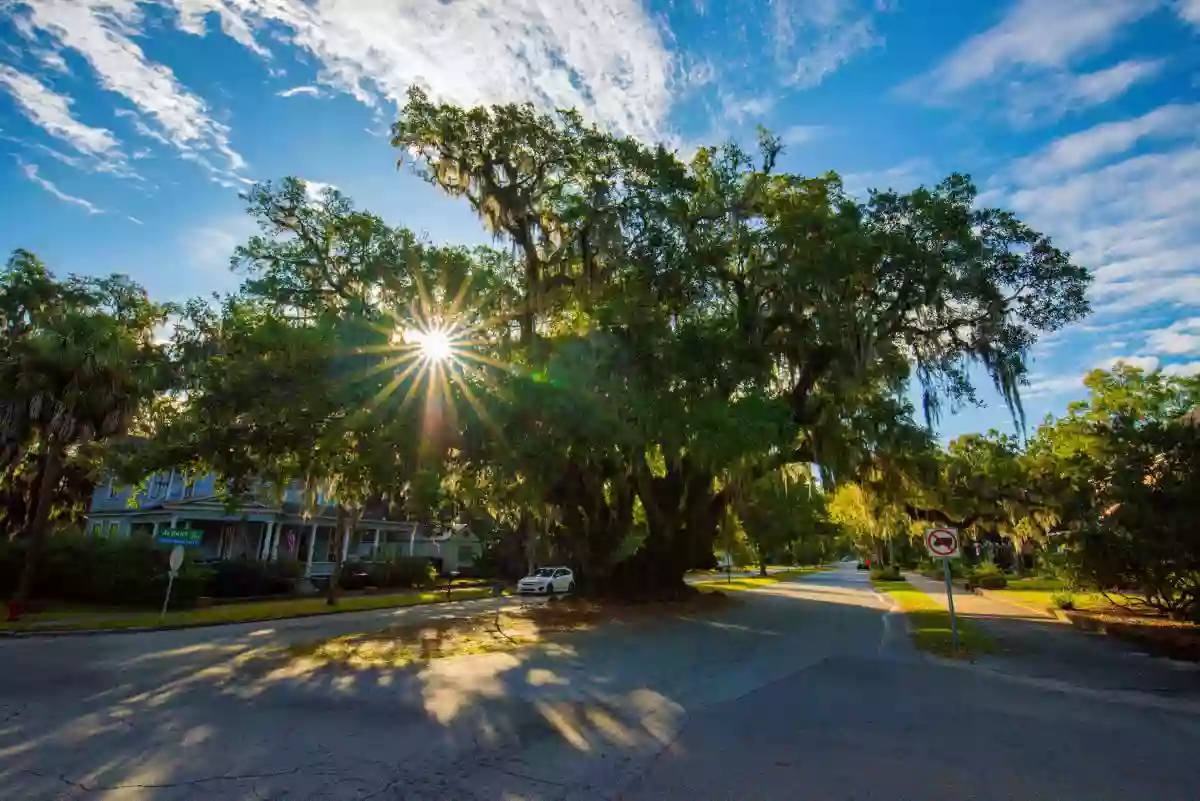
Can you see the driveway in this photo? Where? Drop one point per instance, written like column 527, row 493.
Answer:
column 803, row 689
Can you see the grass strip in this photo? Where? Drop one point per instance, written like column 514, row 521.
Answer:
column 930, row 623
column 755, row 582
column 241, row 613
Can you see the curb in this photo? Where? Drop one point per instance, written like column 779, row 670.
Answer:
column 1145, row 700
column 19, row 635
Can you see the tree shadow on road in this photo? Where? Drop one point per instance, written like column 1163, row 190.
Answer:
column 239, row 717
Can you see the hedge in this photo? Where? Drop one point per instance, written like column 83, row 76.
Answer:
column 120, row 572
column 408, row 572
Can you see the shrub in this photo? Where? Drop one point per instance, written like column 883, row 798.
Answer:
column 124, row 572
column 991, row 581
column 246, row 579
column 402, row 572
column 886, row 573
column 1063, row 600
column 988, row 577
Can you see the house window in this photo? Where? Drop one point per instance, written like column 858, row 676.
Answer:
column 189, row 488
column 112, row 530
column 113, row 490
column 159, row 484
column 365, row 544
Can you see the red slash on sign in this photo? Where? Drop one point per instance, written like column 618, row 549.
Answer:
column 942, row 542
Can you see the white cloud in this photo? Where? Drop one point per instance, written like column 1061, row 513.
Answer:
column 1041, row 386
column 1146, row 363
column 1132, row 222
column 814, row 38
column 1102, row 141
column 1180, row 338
column 902, row 177
column 605, row 57
column 802, row 134
column 52, row 113
column 314, row 191
column 134, row 220
column 311, row 91
column 1094, row 88
column 742, row 109
column 1189, row 10
column 1025, row 60
column 1182, row 370
column 103, row 32
column 31, row 172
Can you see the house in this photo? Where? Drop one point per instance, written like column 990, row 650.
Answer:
column 269, row 531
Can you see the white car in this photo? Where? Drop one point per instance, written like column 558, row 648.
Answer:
column 547, row 581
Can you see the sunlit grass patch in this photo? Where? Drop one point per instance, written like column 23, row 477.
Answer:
column 235, row 613
column 930, row 623
column 755, row 582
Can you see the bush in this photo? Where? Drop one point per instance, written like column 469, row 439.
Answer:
column 124, row 572
column 988, row 577
column 1063, row 600
column 402, row 572
column 246, row 579
column 886, row 573
column 991, row 582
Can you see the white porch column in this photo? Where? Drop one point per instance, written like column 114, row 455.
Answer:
column 312, row 542
column 347, row 536
column 154, row 528
column 268, row 546
column 174, row 521
column 375, row 545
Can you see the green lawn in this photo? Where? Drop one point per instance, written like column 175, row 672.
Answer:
column 930, row 623
column 1039, row 594
column 63, row 620
column 754, row 582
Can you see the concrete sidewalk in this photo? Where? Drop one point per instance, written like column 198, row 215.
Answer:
column 1038, row 645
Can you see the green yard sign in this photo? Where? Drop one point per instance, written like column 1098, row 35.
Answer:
column 187, row 537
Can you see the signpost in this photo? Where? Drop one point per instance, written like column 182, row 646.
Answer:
column 175, row 562
column 187, row 537
column 943, row 542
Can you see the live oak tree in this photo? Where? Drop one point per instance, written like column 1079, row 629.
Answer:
column 738, row 312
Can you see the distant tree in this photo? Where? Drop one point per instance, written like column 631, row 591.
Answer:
column 78, row 361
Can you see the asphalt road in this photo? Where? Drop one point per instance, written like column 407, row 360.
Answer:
column 806, row 689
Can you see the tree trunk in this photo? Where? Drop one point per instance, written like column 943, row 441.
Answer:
column 51, row 468
column 335, row 578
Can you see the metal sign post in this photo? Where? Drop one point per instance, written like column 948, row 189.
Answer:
column 175, row 563
column 944, row 542
column 950, row 603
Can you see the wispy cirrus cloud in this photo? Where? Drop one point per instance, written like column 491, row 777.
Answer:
column 604, row 57
column 1121, row 196
column 1025, row 63
column 1102, row 141
column 103, row 33
column 815, row 38
column 51, row 112
column 31, row 172
column 311, row 91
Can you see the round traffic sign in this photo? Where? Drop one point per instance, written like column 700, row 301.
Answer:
column 176, row 558
column 941, row 541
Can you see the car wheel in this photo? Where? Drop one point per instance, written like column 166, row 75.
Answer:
column 571, row 587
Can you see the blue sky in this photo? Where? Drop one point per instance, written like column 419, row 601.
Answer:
column 127, row 128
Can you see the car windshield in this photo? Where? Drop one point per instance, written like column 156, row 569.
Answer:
column 545, row 572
